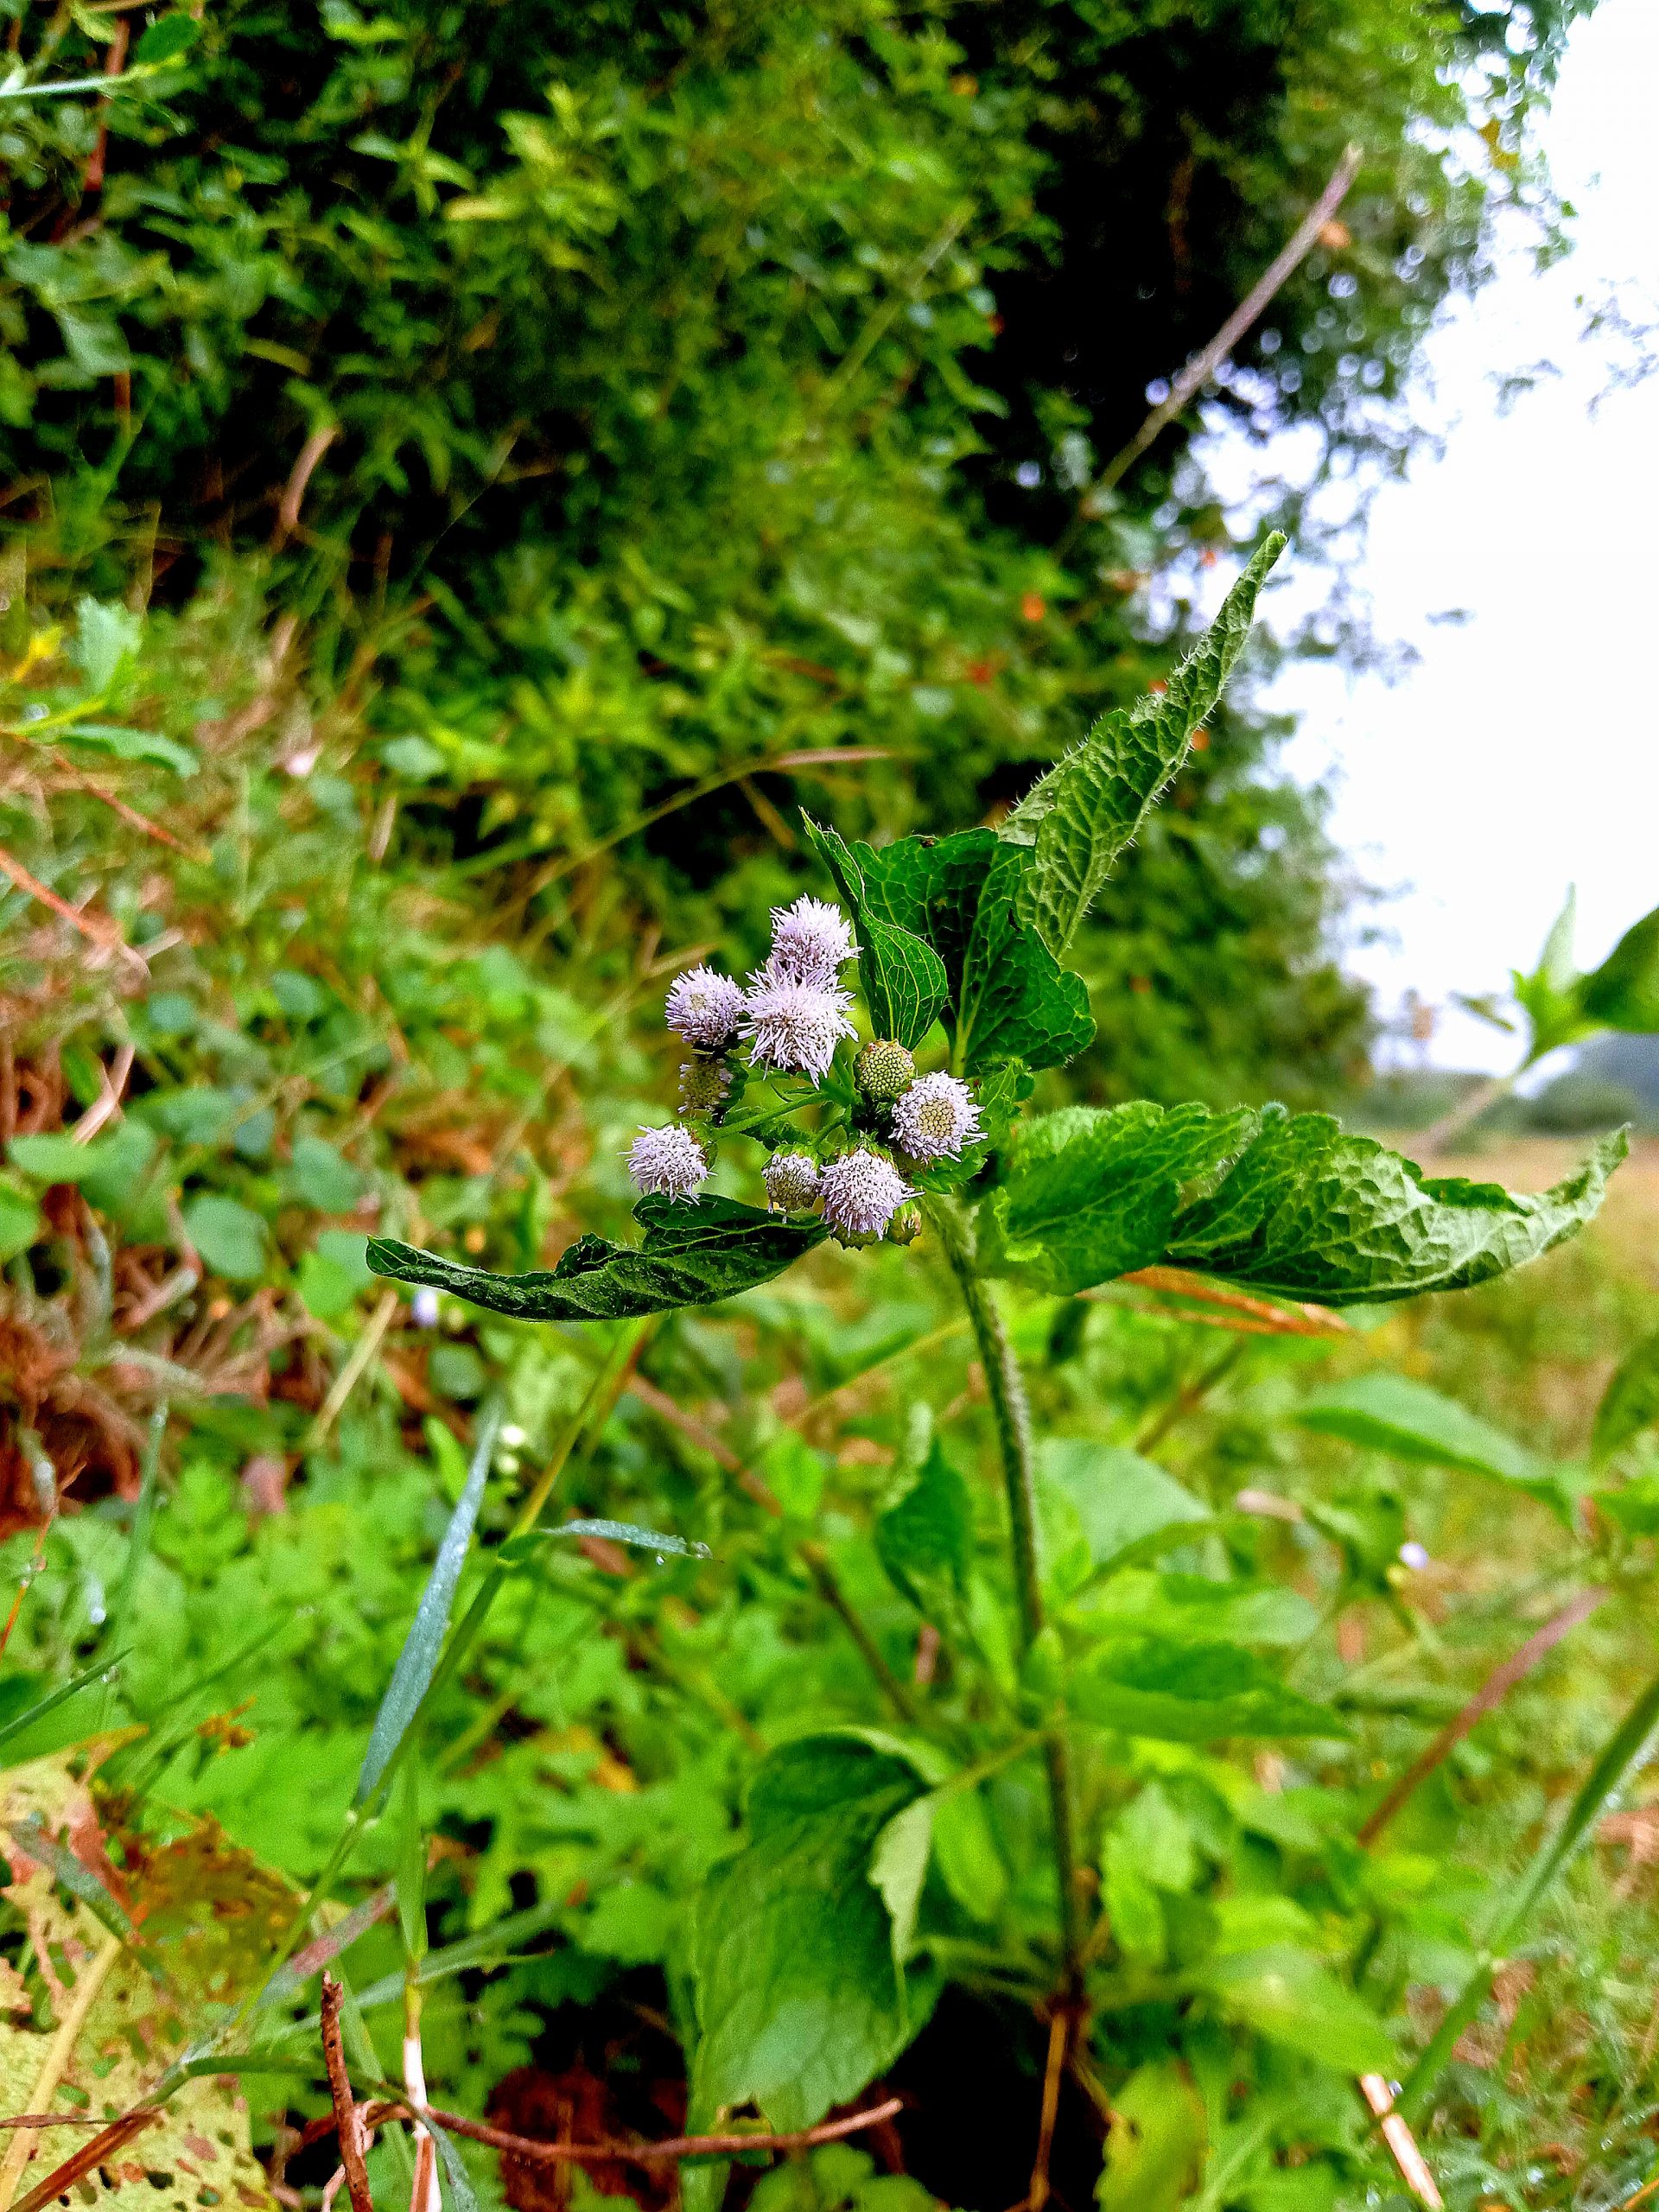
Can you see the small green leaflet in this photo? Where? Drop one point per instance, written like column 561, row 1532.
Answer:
column 1181, row 1692
column 925, row 1542
column 519, row 1551
column 1289, row 1997
column 1630, row 1402
column 1623, row 992
column 1089, row 806
column 1285, row 1203
column 1155, row 2150
column 903, row 979
column 797, row 1992
column 1382, row 1412
column 692, row 1254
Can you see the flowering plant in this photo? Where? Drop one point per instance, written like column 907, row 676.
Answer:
column 803, row 1953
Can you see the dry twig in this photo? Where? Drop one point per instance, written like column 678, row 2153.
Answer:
column 348, row 2126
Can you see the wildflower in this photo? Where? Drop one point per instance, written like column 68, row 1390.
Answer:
column 704, row 1007
column 704, row 1085
column 1414, row 1555
column 810, row 943
column 668, row 1163
column 861, row 1192
column 884, row 1069
column 935, row 1118
column 792, row 1180
column 794, row 1025
column 424, row 1308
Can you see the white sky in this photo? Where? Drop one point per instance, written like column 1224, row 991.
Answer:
column 1521, row 753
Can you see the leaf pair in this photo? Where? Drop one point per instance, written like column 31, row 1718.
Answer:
column 1285, row 1203
column 1563, row 1007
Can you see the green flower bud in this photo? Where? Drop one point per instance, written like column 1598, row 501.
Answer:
column 906, row 1225
column 883, row 1071
column 704, row 1085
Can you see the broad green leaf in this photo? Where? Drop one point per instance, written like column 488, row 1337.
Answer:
column 52, row 1157
column 107, row 634
column 1288, row 1997
column 903, row 978
column 1630, row 1402
column 1016, row 1001
column 322, row 1177
column 930, row 886
column 1634, row 1506
column 418, row 1660
column 1159, row 1839
column 1155, row 2150
column 1120, row 1498
column 1133, row 1907
column 20, row 1219
column 899, row 1868
column 1183, row 1692
column 1286, row 1204
column 1623, row 992
column 926, row 1540
column 229, row 1237
column 18, row 1723
column 1388, row 1413
column 798, row 1995
column 692, row 1254
column 965, row 1852
column 1139, row 1601
column 166, row 40
column 1079, row 818
column 134, row 745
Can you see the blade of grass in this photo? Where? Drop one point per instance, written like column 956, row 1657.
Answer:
column 1622, row 1751
column 61, row 1695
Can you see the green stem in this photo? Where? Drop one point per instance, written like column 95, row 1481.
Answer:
column 1011, row 1411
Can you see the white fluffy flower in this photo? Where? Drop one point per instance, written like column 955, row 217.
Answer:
column 704, row 1007
column 935, row 1118
column 794, row 1025
column 811, row 942
column 862, row 1192
column 669, row 1163
column 792, row 1180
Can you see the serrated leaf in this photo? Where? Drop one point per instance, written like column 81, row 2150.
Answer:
column 691, row 1257
column 1082, row 813
column 926, row 1540
column 1382, row 1412
column 903, row 978
column 1630, row 1402
column 1155, row 2151
column 1287, row 1204
column 797, row 1993
column 1182, row 1692
column 1288, row 1997
column 1623, row 992
column 1016, row 1001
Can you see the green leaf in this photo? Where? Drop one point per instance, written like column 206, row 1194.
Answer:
column 1119, row 1497
column 1549, row 995
column 1155, row 2150
column 1630, row 1402
column 1286, row 1204
column 1016, row 1002
column 52, row 1157
column 1182, row 1692
column 1382, row 1412
column 1194, row 1607
column 165, row 41
column 1089, row 805
column 903, row 978
column 965, row 1852
column 134, row 745
column 899, row 1868
column 1288, row 1997
column 18, row 1723
column 1134, row 1906
column 692, row 1254
column 926, row 1540
column 1623, row 992
column 20, row 1220
column 322, row 1177
column 1634, row 1506
column 798, row 1997
column 418, row 1660
column 519, row 1550
column 230, row 1238
column 106, row 636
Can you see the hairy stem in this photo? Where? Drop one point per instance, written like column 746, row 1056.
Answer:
column 1011, row 1411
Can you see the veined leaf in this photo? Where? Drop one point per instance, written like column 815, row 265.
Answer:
column 1388, row 1413
column 1190, row 1693
column 1630, row 1402
column 692, row 1254
column 1286, row 1204
column 1155, row 2151
column 797, row 1992
column 926, row 1540
column 903, row 977
column 418, row 1660
column 1288, row 1997
column 1089, row 805
column 1016, row 1002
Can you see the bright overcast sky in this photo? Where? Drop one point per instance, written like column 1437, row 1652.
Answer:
column 1521, row 753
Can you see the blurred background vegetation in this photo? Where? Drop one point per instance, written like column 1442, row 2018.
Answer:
column 472, row 471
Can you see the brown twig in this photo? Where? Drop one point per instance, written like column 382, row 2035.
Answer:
column 1290, row 1318
column 348, row 2126
column 1202, row 366
column 94, row 927
column 1402, row 2143
column 288, row 513
column 133, row 819
column 1187, row 1399
column 679, row 2147
column 829, row 1589
column 1492, row 1692
column 48, row 2120
column 1059, row 2036
column 104, row 2144
column 699, row 1433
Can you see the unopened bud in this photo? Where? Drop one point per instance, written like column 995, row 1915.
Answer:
column 884, row 1069
column 906, row 1225
column 704, row 1085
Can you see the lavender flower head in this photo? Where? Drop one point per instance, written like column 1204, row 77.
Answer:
column 793, row 1025
column 792, row 1180
column 935, row 1118
column 668, row 1163
column 861, row 1192
column 811, row 941
column 704, row 1007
